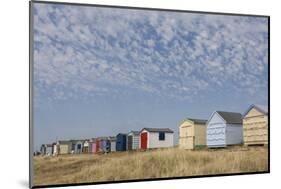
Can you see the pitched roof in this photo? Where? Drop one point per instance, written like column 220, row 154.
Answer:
column 112, row 138
column 64, row 142
column 166, row 130
column 93, row 140
column 77, row 140
column 199, row 121
column 231, row 117
column 263, row 109
column 121, row 134
column 134, row 132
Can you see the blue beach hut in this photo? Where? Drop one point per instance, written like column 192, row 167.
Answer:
column 121, row 142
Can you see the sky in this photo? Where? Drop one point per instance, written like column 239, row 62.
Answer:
column 99, row 71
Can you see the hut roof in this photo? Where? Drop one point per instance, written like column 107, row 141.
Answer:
column 166, row 130
column 112, row 138
column 134, row 132
column 263, row 109
column 198, row 121
column 121, row 134
column 231, row 117
column 93, row 140
column 64, row 142
column 76, row 140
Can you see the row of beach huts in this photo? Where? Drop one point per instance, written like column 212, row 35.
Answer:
column 147, row 138
column 222, row 129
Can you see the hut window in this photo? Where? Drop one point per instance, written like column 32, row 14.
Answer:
column 161, row 136
column 78, row 146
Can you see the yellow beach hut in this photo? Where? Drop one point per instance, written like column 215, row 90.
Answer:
column 255, row 125
column 192, row 133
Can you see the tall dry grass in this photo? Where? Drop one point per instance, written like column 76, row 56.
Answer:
column 171, row 162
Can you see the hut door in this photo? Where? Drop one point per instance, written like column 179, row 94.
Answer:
column 144, row 141
column 79, row 148
column 130, row 142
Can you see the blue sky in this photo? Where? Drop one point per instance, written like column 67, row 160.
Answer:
column 101, row 71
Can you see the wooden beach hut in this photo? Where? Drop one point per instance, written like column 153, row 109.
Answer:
column 43, row 149
column 64, row 147
column 133, row 140
column 112, row 141
column 121, row 142
column 77, row 146
column 104, row 144
column 156, row 138
column 85, row 148
column 55, row 149
column 192, row 133
column 92, row 145
column 255, row 125
column 48, row 149
column 95, row 145
column 224, row 128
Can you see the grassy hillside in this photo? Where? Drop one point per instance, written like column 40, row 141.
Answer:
column 171, row 162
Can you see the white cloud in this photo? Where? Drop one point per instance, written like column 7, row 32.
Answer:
column 96, row 50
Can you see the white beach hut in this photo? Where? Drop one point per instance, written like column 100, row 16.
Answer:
column 224, row 128
column 156, row 138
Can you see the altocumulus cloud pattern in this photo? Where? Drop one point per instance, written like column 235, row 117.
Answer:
column 91, row 51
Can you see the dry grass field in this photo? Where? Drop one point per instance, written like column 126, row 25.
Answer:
column 171, row 162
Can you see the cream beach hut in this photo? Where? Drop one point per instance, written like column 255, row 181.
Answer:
column 192, row 133
column 255, row 125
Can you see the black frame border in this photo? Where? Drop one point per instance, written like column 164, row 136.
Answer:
column 132, row 8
